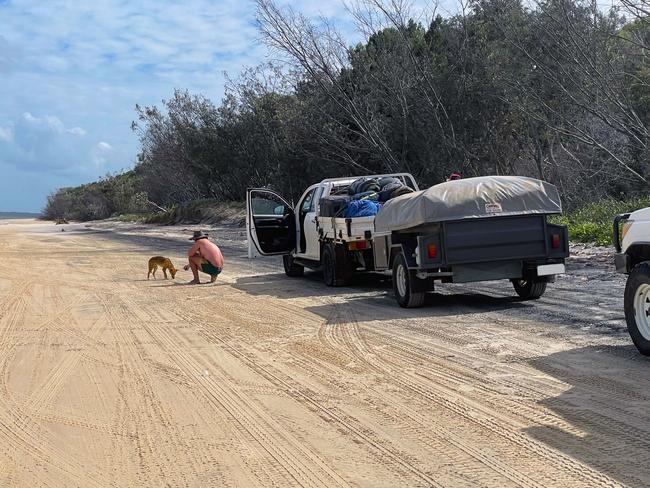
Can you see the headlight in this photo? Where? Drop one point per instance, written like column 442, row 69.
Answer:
column 626, row 226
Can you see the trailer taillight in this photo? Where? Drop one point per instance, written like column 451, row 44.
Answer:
column 358, row 245
column 432, row 251
column 556, row 241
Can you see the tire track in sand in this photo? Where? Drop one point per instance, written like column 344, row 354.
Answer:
column 300, row 465
column 305, row 396
column 20, row 433
column 467, row 409
column 143, row 416
column 332, row 337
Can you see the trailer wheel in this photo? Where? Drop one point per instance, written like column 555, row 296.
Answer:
column 637, row 307
column 291, row 268
column 529, row 289
column 403, row 284
column 335, row 271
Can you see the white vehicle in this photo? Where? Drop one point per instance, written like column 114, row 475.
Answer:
column 632, row 243
column 477, row 229
column 304, row 237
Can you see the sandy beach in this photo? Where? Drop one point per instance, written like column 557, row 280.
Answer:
column 108, row 379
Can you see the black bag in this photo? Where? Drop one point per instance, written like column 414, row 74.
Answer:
column 333, row 205
column 386, row 192
column 370, row 185
column 402, row 190
column 355, row 186
column 388, row 180
column 363, row 185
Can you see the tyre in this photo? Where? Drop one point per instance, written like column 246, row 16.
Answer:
column 529, row 289
column 637, row 307
column 291, row 268
column 403, row 284
column 335, row 270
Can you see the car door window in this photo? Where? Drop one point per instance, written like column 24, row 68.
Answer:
column 316, row 198
column 268, row 204
column 307, row 204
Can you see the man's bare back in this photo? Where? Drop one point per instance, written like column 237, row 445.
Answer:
column 204, row 256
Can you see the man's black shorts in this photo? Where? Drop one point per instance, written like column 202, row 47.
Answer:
column 209, row 268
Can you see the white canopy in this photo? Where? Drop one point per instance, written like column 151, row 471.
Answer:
column 471, row 198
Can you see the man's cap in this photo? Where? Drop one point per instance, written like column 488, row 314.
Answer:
column 198, row 234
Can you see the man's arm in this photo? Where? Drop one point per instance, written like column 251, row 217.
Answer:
column 193, row 250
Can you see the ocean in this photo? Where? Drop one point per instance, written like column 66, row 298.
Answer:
column 18, row 215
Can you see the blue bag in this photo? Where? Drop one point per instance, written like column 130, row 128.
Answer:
column 361, row 208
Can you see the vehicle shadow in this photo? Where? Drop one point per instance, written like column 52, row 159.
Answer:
column 279, row 285
column 370, row 295
column 203, row 284
column 606, row 406
column 177, row 247
column 384, row 307
column 158, row 244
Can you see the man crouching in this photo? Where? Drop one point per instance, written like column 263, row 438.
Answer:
column 204, row 256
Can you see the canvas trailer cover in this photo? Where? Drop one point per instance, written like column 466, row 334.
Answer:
column 471, row 198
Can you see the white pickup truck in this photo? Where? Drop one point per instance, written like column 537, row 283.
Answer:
column 477, row 229
column 273, row 223
column 632, row 243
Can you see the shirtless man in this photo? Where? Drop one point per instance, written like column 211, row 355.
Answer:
column 204, row 256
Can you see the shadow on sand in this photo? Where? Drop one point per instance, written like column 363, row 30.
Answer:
column 370, row 295
column 167, row 246
column 365, row 292
column 160, row 244
column 204, row 283
column 607, row 402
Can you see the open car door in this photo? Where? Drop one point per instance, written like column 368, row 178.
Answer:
column 271, row 222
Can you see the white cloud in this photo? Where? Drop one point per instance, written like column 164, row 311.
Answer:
column 132, row 36
column 77, row 131
column 47, row 122
column 6, row 134
column 101, row 153
column 91, row 62
column 42, row 144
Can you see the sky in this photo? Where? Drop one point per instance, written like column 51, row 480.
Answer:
column 72, row 71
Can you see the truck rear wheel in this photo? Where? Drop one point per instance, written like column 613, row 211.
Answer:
column 529, row 289
column 403, row 285
column 291, row 268
column 335, row 270
column 637, row 307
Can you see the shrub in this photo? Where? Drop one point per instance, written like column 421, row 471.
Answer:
column 593, row 222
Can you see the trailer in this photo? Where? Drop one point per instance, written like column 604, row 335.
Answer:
column 478, row 229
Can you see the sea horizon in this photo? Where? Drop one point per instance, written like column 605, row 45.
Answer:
column 19, row 215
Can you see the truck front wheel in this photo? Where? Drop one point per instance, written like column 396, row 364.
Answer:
column 403, row 284
column 637, row 307
column 529, row 289
column 291, row 268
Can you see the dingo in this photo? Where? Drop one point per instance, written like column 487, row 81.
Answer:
column 164, row 263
